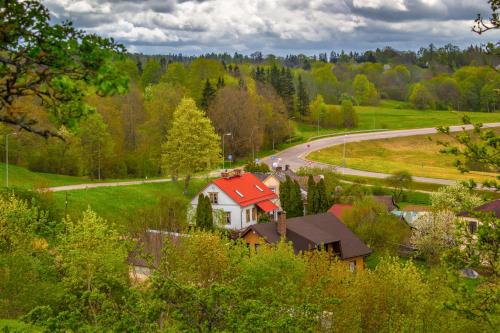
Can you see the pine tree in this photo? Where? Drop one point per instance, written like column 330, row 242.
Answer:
column 324, row 202
column 207, row 96
column 311, row 195
column 288, row 89
column 220, row 82
column 204, row 215
column 285, row 194
column 274, row 79
column 296, row 204
column 302, row 99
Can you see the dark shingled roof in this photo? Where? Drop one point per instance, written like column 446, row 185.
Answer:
column 387, row 201
column 307, row 232
column 149, row 245
column 489, row 207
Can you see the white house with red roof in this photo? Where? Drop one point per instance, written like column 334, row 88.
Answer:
column 241, row 197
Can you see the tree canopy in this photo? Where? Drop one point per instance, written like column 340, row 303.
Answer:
column 54, row 63
column 192, row 145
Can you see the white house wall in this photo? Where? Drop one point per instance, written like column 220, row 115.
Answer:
column 227, row 204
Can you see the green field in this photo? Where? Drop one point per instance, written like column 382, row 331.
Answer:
column 22, row 177
column 120, row 202
column 416, row 154
column 393, row 115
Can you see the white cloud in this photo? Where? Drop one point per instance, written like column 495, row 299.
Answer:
column 375, row 4
column 278, row 26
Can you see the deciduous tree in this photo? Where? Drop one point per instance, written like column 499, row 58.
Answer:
column 192, row 145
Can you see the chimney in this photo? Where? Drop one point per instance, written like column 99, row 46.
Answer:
column 281, row 223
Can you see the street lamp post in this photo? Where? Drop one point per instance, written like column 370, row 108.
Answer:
column 7, row 158
column 343, row 157
column 224, row 156
column 289, row 130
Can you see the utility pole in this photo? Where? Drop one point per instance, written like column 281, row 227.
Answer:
column 318, row 124
column 343, row 158
column 224, row 156
column 99, row 160
column 289, row 130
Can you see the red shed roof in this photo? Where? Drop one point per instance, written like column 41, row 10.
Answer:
column 267, row 206
column 339, row 209
column 245, row 189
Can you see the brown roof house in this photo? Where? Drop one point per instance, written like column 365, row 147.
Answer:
column 491, row 208
column 274, row 179
column 147, row 253
column 311, row 232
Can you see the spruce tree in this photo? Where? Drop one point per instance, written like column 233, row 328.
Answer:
column 288, row 89
column 285, row 194
column 200, row 210
column 204, row 215
column 311, row 195
column 324, row 201
column 302, row 99
column 207, row 96
column 296, row 204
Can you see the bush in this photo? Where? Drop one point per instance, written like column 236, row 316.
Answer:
column 251, row 166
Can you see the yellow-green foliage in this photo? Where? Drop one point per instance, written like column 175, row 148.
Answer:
column 415, row 154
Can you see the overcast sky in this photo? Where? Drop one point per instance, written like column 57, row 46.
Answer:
column 275, row 26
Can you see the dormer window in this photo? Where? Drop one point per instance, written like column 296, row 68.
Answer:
column 239, row 193
column 259, row 188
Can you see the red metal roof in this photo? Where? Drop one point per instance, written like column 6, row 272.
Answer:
column 339, row 209
column 267, row 206
column 245, row 189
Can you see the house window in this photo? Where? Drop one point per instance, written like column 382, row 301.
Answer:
column 254, row 214
column 214, row 197
column 247, row 211
column 352, row 265
column 472, row 227
column 228, row 217
column 257, row 247
column 273, row 189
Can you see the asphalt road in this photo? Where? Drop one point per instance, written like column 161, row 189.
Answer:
column 295, row 156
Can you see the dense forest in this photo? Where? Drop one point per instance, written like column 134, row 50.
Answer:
column 255, row 98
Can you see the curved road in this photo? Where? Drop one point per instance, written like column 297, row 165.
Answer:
column 295, row 156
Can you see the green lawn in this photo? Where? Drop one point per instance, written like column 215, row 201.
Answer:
column 22, row 177
column 394, row 115
column 416, row 154
column 120, row 202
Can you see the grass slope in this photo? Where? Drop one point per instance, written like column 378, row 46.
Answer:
column 119, row 203
column 22, row 177
column 415, row 154
column 395, row 115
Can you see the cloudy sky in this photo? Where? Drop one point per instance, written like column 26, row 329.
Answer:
column 275, row 26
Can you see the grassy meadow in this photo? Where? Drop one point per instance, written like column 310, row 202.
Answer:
column 117, row 203
column 416, row 154
column 22, row 177
column 394, row 115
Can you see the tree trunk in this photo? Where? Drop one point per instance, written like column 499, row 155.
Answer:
column 186, row 183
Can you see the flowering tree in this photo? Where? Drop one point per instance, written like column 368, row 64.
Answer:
column 457, row 198
column 433, row 234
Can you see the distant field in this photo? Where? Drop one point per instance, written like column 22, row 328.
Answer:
column 415, row 154
column 22, row 177
column 118, row 203
column 394, row 115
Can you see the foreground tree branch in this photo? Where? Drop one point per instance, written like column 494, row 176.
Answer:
column 58, row 64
